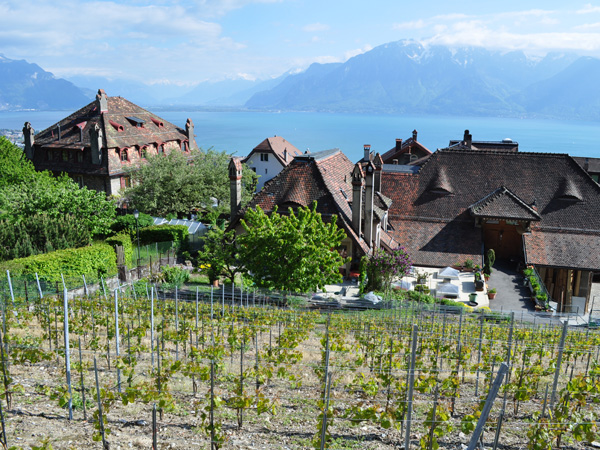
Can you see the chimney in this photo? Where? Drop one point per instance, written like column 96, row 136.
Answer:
column 468, row 139
column 398, row 144
column 414, row 135
column 367, row 148
column 378, row 162
column 189, row 131
column 357, row 188
column 369, row 171
column 101, row 101
column 96, row 142
column 235, row 186
column 395, row 162
column 28, row 136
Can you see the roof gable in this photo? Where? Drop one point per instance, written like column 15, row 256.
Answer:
column 503, row 204
column 283, row 150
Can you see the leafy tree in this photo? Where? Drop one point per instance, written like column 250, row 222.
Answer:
column 55, row 198
column 180, row 184
column 295, row 252
column 14, row 166
column 218, row 254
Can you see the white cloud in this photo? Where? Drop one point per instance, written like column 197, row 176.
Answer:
column 315, row 27
column 412, row 25
column 358, row 51
column 589, row 9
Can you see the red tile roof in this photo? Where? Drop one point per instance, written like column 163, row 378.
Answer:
column 283, row 150
column 124, row 133
column 324, row 177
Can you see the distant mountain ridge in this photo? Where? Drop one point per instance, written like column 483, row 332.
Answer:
column 407, row 77
column 27, row 86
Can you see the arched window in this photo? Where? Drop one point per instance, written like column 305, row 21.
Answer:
column 124, row 155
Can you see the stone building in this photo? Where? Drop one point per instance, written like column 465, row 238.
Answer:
column 96, row 144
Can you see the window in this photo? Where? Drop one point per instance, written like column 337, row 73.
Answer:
column 125, row 182
column 185, row 147
column 254, row 168
column 79, row 157
column 124, row 155
column 161, row 149
column 79, row 181
column 264, row 157
column 65, row 155
column 48, row 155
column 266, row 171
column 144, row 153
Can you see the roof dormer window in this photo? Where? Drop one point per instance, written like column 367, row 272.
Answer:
column 136, row 121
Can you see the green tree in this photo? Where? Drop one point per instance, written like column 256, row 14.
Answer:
column 218, row 255
column 14, row 166
column 56, row 197
column 383, row 267
column 180, row 184
column 291, row 253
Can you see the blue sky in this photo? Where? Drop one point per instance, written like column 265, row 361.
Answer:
column 186, row 42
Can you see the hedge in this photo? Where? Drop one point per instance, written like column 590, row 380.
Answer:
column 124, row 240
column 161, row 233
column 95, row 260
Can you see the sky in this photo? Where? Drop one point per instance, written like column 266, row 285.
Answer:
column 187, row 42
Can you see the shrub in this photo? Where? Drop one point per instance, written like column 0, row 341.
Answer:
column 383, row 266
column 163, row 233
column 468, row 264
column 95, row 260
column 175, row 276
column 127, row 224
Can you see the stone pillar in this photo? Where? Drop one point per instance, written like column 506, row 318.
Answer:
column 369, row 172
column 189, row 130
column 96, row 143
column 357, row 204
column 235, row 186
column 29, row 138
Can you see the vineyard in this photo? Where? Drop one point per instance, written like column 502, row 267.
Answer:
column 141, row 369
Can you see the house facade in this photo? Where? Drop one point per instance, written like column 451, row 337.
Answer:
column 269, row 157
column 98, row 143
column 535, row 208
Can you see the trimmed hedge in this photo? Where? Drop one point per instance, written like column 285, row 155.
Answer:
column 124, row 240
column 95, row 260
column 162, row 233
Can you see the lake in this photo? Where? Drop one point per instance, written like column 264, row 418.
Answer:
column 240, row 131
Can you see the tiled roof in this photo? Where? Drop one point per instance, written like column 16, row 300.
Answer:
column 503, row 204
column 283, row 150
column 154, row 129
column 409, row 145
column 563, row 249
column 324, row 177
column 534, row 178
column 589, row 164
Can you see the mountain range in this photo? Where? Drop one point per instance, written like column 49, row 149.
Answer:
column 401, row 77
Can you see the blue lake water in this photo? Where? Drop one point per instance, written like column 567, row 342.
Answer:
column 239, row 132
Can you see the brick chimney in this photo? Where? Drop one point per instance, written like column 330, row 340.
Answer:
column 101, row 101
column 29, row 138
column 414, row 135
column 369, row 173
column 398, row 144
column 378, row 162
column 468, row 139
column 235, row 186
column 367, row 149
column 189, row 131
column 357, row 205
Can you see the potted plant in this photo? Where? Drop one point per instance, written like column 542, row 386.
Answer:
column 468, row 265
column 478, row 281
column 492, row 293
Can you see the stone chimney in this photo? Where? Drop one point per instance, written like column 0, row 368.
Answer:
column 235, row 186
column 378, row 162
column 28, row 136
column 369, row 173
column 357, row 205
column 414, row 135
column 398, row 144
column 96, row 143
column 468, row 139
column 189, row 131
column 367, row 149
column 101, row 101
